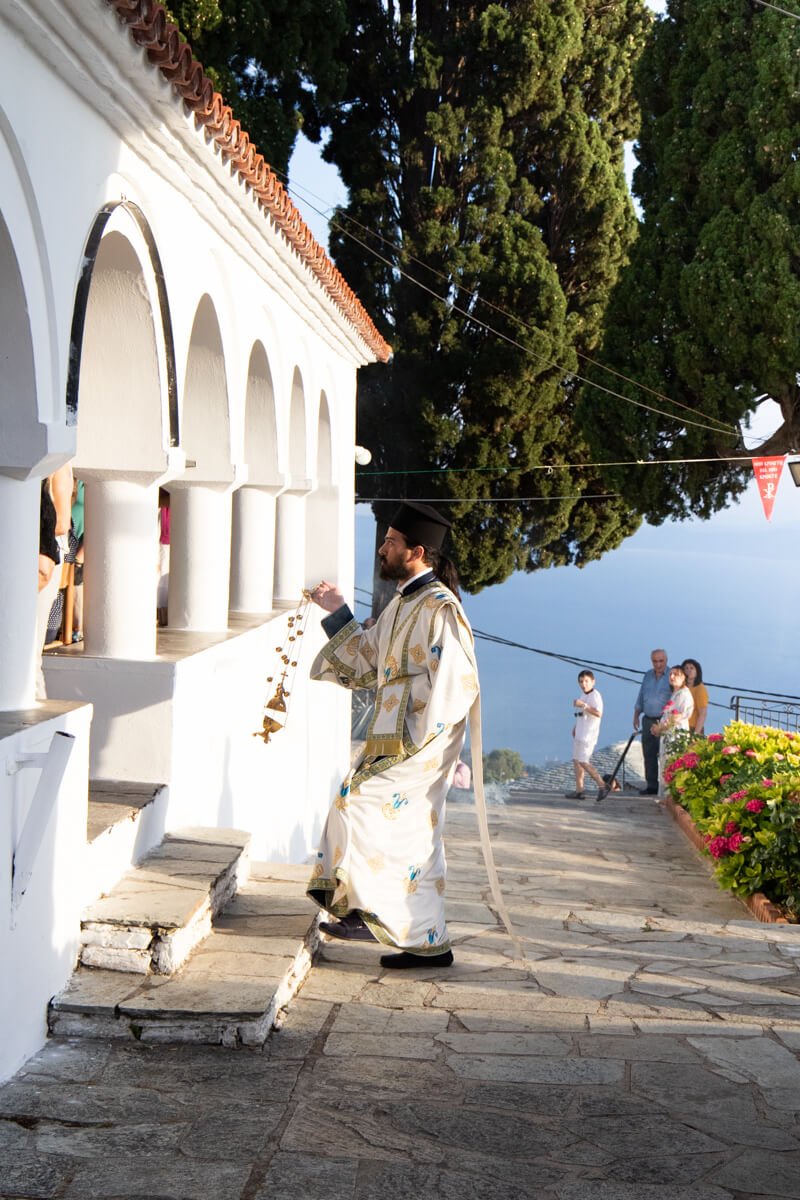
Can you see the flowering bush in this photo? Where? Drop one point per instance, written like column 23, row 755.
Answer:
column 742, row 789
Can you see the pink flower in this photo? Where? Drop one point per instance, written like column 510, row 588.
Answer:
column 731, row 827
column 736, row 842
column 737, row 795
column 714, row 737
column 725, row 778
column 750, row 753
column 755, row 806
column 690, row 761
column 731, row 749
column 718, row 847
column 778, row 757
column 768, row 783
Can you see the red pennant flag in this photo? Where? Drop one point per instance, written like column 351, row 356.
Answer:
column 768, row 475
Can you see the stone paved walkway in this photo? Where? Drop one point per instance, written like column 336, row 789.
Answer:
column 647, row 1049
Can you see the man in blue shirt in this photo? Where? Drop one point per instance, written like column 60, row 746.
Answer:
column 653, row 695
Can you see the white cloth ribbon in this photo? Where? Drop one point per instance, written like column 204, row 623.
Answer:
column 476, row 742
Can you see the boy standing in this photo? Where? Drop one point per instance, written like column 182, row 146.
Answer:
column 588, row 711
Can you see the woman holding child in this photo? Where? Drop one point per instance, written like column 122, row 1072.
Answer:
column 675, row 715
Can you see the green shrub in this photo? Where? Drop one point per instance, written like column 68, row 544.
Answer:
column 742, row 790
column 502, row 765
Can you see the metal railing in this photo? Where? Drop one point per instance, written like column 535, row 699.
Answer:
column 761, row 710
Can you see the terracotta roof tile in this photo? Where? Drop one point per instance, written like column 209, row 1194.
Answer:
column 151, row 29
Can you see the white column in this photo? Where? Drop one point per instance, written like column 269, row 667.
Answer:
column 252, row 550
column 19, row 504
column 121, row 568
column 290, row 548
column 199, row 557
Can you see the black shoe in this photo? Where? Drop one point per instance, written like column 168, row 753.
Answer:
column 601, row 793
column 648, row 791
column 405, row 961
column 350, row 929
column 574, row 795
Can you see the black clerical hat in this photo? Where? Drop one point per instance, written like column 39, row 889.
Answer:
column 421, row 525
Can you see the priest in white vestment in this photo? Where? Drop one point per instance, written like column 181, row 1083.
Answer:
column 381, row 863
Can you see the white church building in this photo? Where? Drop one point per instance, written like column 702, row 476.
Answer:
column 167, row 320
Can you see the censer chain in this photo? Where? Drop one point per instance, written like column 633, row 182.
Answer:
column 276, row 710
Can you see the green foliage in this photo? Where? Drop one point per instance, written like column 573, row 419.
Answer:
column 742, row 790
column 500, row 766
column 274, row 61
column 708, row 310
column 482, row 147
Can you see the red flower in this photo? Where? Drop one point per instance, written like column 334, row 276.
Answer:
column 725, row 778
column 768, row 783
column 731, row 827
column 750, row 753
column 718, row 847
column 714, row 737
column 736, row 842
column 755, row 806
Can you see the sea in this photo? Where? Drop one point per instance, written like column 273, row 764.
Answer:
column 723, row 591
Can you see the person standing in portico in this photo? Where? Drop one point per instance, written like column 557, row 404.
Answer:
column 653, row 695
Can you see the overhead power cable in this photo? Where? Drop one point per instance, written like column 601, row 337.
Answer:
column 551, row 467
column 776, row 8
column 491, row 499
column 632, row 674
column 474, row 296
column 541, row 358
column 717, row 427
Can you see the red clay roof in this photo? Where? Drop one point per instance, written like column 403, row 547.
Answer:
column 151, row 29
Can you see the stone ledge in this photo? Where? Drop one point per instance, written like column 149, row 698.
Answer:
column 762, row 909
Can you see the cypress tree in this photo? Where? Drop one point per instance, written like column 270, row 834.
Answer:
column 482, row 146
column 708, row 311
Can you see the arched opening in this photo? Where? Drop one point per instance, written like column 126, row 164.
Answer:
column 298, row 446
column 260, row 439
column 18, row 410
column 119, row 388
column 290, row 533
column 253, row 526
column 127, row 221
column 205, row 424
column 200, row 502
column 19, row 498
column 323, row 535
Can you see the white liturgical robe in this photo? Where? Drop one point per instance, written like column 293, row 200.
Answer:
column 382, row 852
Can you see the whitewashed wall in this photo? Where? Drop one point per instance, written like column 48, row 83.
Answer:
column 260, row 366
column 39, row 928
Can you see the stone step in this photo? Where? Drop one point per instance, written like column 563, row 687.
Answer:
column 231, row 989
column 113, row 801
column 160, row 910
column 124, row 821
